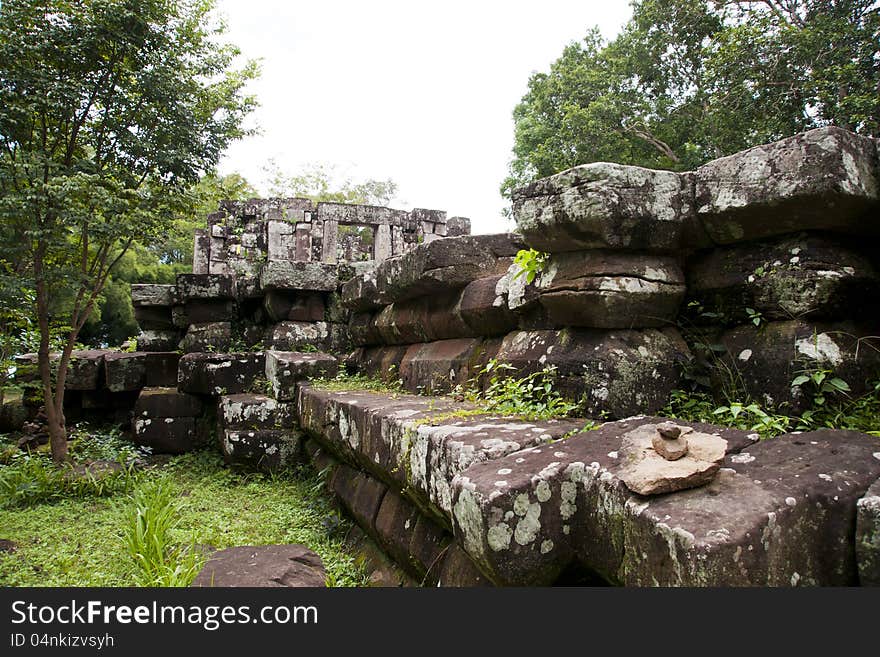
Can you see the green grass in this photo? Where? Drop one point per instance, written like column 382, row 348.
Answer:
column 81, row 540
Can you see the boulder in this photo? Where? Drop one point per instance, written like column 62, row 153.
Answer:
column 766, row 359
column 620, row 373
column 285, row 368
column 219, row 374
column 797, row 276
column 313, row 276
column 212, row 336
column 205, row 286
column 263, row 566
column 604, row 289
column 823, row 179
column 868, row 533
column 604, row 206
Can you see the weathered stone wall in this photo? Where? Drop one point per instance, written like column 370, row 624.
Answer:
column 744, row 273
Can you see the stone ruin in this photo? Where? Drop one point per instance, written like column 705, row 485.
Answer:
column 762, row 264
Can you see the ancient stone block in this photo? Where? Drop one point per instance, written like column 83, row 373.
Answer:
column 267, row 449
column 166, row 402
column 413, row 541
column 362, row 330
column 444, row 265
column 204, row 311
column 456, row 226
column 424, row 319
column 621, row 372
column 154, row 318
column 483, row 307
column 360, row 494
column 85, row 371
column 798, row 276
column 205, row 286
column 824, row 179
column 152, row 294
column 161, row 368
column 125, row 371
column 158, row 340
column 212, row 336
column 282, row 240
column 360, row 293
column 438, row 367
column 201, row 252
column 314, row 276
column 253, row 411
column 604, row 206
column 459, row 570
column 263, row 566
column 219, row 374
column 780, row 514
column 381, row 362
column 868, row 533
column 166, row 435
column 604, row 289
column 285, row 368
column 293, row 336
column 767, row 359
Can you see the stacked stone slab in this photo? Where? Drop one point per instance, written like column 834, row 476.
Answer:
column 101, row 383
column 168, row 421
column 603, row 317
column 459, row 498
column 268, row 272
column 154, row 311
column 780, row 270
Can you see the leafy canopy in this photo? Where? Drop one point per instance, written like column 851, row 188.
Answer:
column 687, row 81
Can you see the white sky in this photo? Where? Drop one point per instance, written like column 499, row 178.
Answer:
column 418, row 92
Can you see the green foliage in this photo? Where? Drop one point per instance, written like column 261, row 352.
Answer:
column 819, row 384
column 531, row 397
column 79, row 541
column 531, row 263
column 109, row 111
column 345, row 380
column 687, row 81
column 323, row 182
column 153, row 514
column 34, row 479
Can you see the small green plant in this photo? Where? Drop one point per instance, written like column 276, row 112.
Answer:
column 755, row 316
column 531, row 263
column 820, row 385
column 153, row 514
column 532, row 397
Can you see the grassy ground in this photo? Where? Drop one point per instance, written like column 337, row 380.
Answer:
column 78, row 540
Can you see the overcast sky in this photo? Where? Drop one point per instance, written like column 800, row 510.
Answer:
column 418, row 92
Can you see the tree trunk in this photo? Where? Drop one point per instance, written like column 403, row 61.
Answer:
column 53, row 401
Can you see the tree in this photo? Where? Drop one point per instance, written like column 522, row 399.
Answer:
column 109, row 110
column 322, row 182
column 687, row 81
